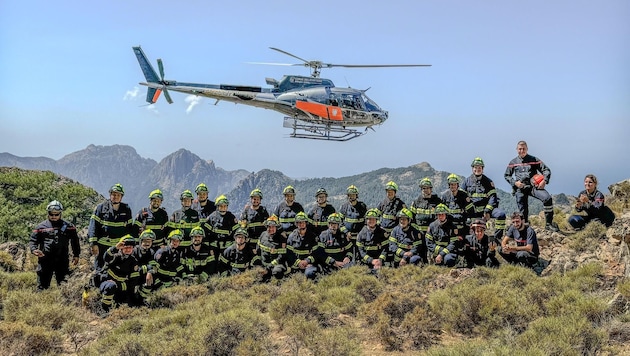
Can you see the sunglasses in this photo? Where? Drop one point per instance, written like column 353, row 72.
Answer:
column 54, row 214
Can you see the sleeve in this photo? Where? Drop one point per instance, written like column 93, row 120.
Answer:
column 95, row 227
column 509, row 174
column 74, row 240
column 34, row 242
column 544, row 169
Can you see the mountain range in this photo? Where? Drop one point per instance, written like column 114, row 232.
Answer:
column 100, row 167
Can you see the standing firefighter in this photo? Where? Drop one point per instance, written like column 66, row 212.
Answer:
column 184, row 219
column 318, row 215
column 287, row 210
column 424, row 206
column 49, row 242
column 202, row 204
column 528, row 176
column 111, row 220
column 254, row 216
column 353, row 212
column 459, row 204
column 153, row 218
column 390, row 207
column 484, row 197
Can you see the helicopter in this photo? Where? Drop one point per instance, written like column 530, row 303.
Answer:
column 314, row 107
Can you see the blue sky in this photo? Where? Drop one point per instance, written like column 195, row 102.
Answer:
column 553, row 73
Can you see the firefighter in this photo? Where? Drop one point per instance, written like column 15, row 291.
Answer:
column 484, row 197
column 253, row 217
column 591, row 201
column 115, row 280
column 169, row 261
column 272, row 247
column 111, row 220
column 287, row 210
column 144, row 253
column 424, row 206
column 220, row 226
column 442, row 241
column 301, row 248
column 202, row 205
column 199, row 257
column 520, row 244
column 49, row 242
column 318, row 216
column 390, row 207
column 184, row 219
column 153, row 217
column 520, row 173
column 479, row 249
column 353, row 212
column 372, row 244
column 406, row 243
column 459, row 204
column 337, row 248
column 237, row 257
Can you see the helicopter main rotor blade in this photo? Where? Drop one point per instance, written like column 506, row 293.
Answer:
column 330, row 65
column 292, row 55
column 276, row 64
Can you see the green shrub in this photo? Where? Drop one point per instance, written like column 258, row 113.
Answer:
column 45, row 309
column 233, row 327
column 7, row 263
column 298, row 297
column 473, row 309
column 563, row 335
column 18, row 338
column 624, row 288
column 175, row 295
column 587, row 240
column 575, row 302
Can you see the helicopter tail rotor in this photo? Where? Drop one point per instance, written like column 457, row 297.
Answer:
column 167, row 96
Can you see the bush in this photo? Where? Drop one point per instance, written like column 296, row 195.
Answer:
column 298, row 297
column 18, row 338
column 175, row 295
column 587, row 240
column 47, row 309
column 575, row 302
column 563, row 335
column 624, row 288
column 7, row 263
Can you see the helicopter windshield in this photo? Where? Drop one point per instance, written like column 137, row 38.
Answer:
column 369, row 104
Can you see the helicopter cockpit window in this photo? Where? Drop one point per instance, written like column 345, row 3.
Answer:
column 369, row 104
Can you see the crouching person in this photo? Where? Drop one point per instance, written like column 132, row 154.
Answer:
column 119, row 266
column 169, row 261
column 336, row 248
column 479, row 249
column 273, row 248
column 442, row 240
column 143, row 277
column 372, row 245
column 520, row 244
column 406, row 243
column 237, row 257
column 300, row 246
column 199, row 257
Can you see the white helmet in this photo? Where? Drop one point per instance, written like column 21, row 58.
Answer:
column 54, row 205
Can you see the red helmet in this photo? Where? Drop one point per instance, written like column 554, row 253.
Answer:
column 537, row 179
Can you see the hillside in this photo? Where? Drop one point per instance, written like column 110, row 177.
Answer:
column 101, row 166
column 25, row 194
column 579, row 306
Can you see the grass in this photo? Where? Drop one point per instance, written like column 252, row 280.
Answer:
column 505, row 311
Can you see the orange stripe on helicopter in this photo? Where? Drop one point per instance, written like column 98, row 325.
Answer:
column 156, row 96
column 321, row 110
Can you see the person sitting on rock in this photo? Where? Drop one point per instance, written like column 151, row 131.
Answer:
column 591, row 202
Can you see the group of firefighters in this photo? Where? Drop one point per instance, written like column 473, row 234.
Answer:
column 136, row 255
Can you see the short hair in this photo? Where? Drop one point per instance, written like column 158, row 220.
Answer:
column 517, row 214
column 521, row 143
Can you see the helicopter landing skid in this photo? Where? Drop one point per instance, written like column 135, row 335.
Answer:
column 303, row 129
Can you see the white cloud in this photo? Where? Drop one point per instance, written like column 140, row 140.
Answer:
column 192, row 100
column 152, row 108
column 131, row 94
